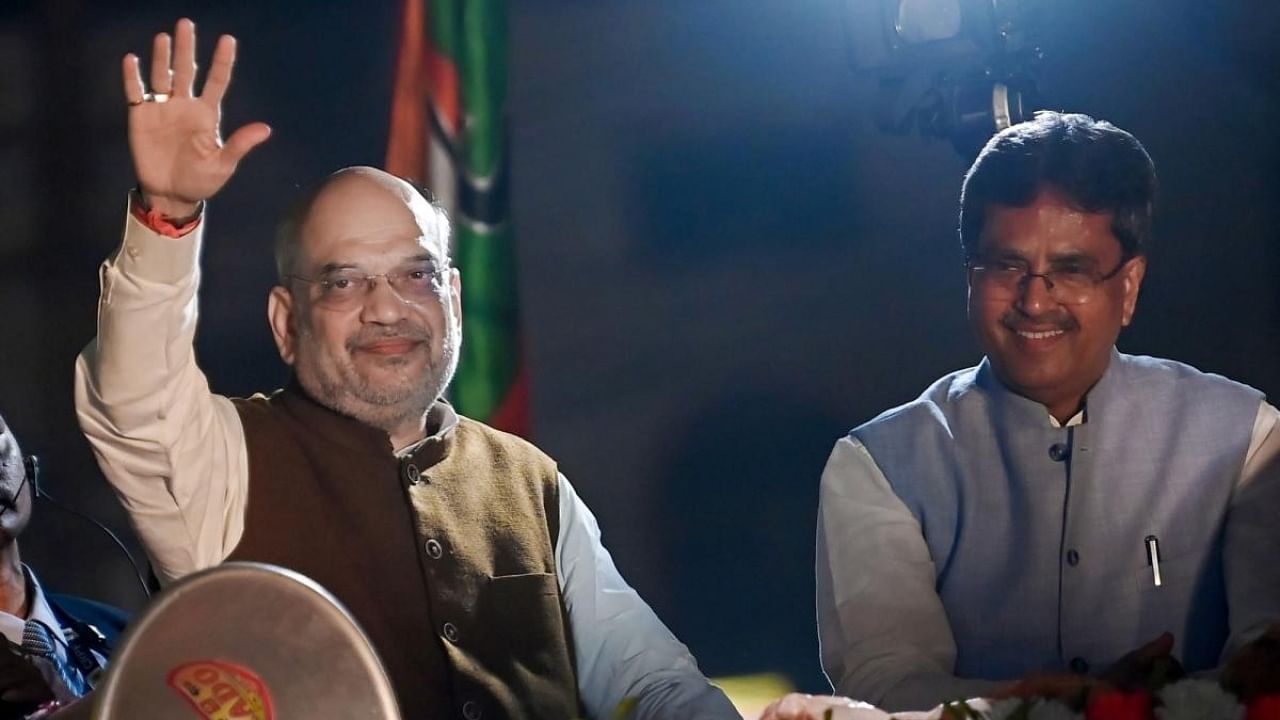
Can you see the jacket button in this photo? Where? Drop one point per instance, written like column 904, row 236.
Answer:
column 434, row 549
column 1059, row 452
column 412, row 474
column 1078, row 665
column 1073, row 558
column 471, row 710
column 450, row 632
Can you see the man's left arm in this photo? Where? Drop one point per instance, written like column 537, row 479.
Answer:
column 623, row 649
column 1251, row 540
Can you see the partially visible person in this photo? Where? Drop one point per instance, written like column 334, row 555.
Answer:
column 54, row 646
column 1025, row 524
column 464, row 553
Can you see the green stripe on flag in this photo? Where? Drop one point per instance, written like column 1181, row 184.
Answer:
column 485, row 244
column 444, row 27
column 490, row 345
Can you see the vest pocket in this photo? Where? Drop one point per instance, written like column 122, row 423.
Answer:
column 530, row 643
column 1175, row 573
column 1190, row 603
column 526, row 608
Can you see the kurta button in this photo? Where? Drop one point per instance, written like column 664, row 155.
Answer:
column 1078, row 665
column 1058, row 452
column 434, row 549
column 471, row 710
column 450, row 632
column 1073, row 558
column 412, row 474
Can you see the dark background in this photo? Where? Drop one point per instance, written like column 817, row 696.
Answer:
column 723, row 265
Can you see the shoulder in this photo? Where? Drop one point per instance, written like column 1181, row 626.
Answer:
column 512, row 462
column 502, row 448
column 931, row 408
column 1153, row 373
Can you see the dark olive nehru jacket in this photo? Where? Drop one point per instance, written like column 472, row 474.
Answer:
column 445, row 556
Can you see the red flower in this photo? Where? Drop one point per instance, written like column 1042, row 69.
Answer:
column 1264, row 707
column 1118, row 705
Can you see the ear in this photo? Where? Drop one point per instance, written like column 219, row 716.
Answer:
column 1133, row 276
column 455, row 300
column 280, row 316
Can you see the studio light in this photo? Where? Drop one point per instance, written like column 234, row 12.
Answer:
column 958, row 69
column 921, row 21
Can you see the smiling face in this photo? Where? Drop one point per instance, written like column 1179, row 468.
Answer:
column 385, row 358
column 14, row 493
column 1040, row 348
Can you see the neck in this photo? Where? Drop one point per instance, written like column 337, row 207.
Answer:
column 403, row 427
column 407, row 432
column 1065, row 410
column 13, row 582
column 404, row 422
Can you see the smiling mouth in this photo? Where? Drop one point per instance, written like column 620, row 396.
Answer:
column 389, row 347
column 1040, row 335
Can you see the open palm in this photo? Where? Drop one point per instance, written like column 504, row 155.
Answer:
column 174, row 135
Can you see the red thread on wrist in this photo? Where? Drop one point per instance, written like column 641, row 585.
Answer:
column 162, row 225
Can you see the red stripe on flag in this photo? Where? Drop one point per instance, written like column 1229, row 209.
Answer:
column 407, row 141
column 445, row 90
column 424, row 79
column 512, row 414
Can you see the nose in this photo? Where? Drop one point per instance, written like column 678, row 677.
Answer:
column 1035, row 295
column 382, row 304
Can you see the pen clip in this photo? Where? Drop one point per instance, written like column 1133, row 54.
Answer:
column 1152, row 544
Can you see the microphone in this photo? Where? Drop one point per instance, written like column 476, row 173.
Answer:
column 32, row 465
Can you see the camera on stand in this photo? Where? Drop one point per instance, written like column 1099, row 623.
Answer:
column 955, row 69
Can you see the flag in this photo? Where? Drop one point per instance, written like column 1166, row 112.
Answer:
column 448, row 133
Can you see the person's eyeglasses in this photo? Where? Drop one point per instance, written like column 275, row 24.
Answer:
column 347, row 289
column 997, row 279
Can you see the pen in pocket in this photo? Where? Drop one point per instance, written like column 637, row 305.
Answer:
column 1153, row 557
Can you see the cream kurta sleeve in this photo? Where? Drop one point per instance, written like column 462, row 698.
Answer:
column 173, row 451
column 882, row 630
column 1250, row 538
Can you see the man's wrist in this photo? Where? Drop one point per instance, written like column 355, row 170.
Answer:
column 173, row 211
column 159, row 221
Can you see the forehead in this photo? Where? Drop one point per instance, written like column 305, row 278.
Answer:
column 1049, row 224
column 370, row 224
column 9, row 451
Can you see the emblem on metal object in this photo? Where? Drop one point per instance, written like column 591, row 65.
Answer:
column 222, row 691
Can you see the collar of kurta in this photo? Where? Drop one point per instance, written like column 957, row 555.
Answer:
column 1025, row 410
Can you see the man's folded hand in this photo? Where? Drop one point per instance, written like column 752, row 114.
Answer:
column 1255, row 669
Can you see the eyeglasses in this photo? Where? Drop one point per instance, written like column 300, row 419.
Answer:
column 1007, row 279
column 347, row 289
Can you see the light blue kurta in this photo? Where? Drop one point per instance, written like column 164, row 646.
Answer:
column 1037, row 532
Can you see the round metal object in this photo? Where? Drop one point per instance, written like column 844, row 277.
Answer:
column 267, row 638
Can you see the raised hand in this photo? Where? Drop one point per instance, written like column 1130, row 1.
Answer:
column 174, row 135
